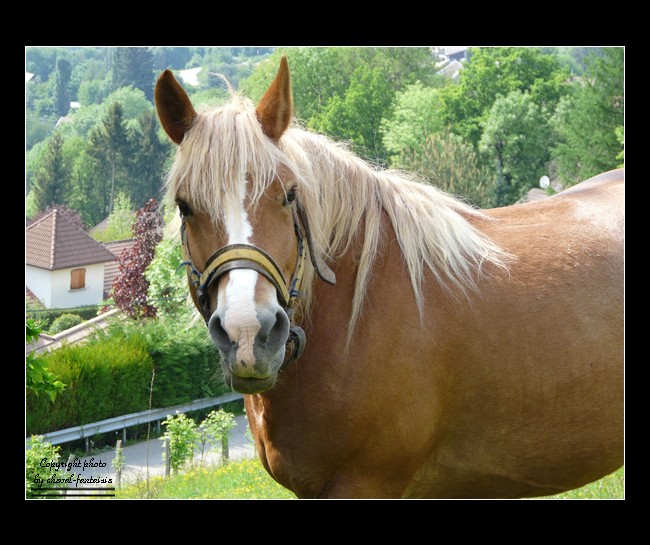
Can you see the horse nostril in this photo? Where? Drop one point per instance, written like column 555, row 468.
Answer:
column 219, row 335
column 279, row 333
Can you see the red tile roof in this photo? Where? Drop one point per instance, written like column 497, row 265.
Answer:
column 54, row 243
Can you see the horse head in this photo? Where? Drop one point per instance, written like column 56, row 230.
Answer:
column 242, row 241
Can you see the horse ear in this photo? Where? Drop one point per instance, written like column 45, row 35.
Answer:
column 174, row 107
column 275, row 109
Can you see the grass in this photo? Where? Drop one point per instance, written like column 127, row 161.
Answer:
column 244, row 479
column 247, row 479
column 608, row 488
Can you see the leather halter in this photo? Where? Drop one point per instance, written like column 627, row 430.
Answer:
column 247, row 256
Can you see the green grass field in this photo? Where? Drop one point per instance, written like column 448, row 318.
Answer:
column 247, row 479
column 608, row 488
column 244, row 479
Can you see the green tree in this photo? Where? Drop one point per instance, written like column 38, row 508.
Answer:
column 317, row 74
column 37, row 129
column 116, row 147
column 91, row 179
column 61, row 83
column 516, row 137
column 587, row 121
column 41, row 61
column 133, row 66
column 183, row 435
column 446, row 161
column 214, row 430
column 493, row 71
column 574, row 58
column 320, row 73
column 51, row 180
column 133, row 102
column 92, row 92
column 33, row 159
column 119, row 222
column 356, row 116
column 620, row 136
column 414, row 117
column 148, row 156
column 170, row 57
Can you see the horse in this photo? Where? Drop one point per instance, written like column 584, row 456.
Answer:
column 390, row 340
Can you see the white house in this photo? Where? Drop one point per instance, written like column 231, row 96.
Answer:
column 64, row 266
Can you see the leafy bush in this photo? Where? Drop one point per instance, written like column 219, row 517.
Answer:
column 167, row 282
column 63, row 322
column 214, row 429
column 38, row 378
column 185, row 438
column 36, row 474
column 182, row 435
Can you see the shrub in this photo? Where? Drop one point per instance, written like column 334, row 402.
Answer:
column 103, row 379
column 182, row 435
column 63, row 322
column 46, row 316
column 185, row 360
column 38, row 378
column 36, row 475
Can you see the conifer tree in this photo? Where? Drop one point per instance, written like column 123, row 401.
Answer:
column 133, row 66
column 52, row 178
column 148, row 160
column 61, row 82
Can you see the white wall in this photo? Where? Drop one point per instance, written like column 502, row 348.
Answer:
column 59, row 294
column 40, row 283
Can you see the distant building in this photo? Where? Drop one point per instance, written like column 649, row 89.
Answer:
column 455, row 53
column 451, row 70
column 452, row 59
column 64, row 265
column 190, row 76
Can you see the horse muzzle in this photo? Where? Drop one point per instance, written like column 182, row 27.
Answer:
column 253, row 349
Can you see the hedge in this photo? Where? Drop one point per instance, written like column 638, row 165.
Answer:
column 47, row 316
column 102, row 380
column 111, row 374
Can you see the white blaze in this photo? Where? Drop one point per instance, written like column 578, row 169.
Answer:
column 240, row 317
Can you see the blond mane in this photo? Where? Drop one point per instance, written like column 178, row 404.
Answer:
column 342, row 195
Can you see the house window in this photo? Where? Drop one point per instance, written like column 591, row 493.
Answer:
column 77, row 279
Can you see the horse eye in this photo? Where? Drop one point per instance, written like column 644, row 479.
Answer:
column 184, row 209
column 291, row 196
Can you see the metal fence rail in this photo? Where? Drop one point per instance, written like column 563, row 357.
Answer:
column 122, row 422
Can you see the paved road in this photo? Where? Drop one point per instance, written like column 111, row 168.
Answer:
column 145, row 458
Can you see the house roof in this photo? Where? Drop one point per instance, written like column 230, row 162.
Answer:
column 99, row 227
column 111, row 270
column 451, row 70
column 54, row 243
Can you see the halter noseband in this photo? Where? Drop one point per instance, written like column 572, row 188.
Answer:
column 247, row 256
